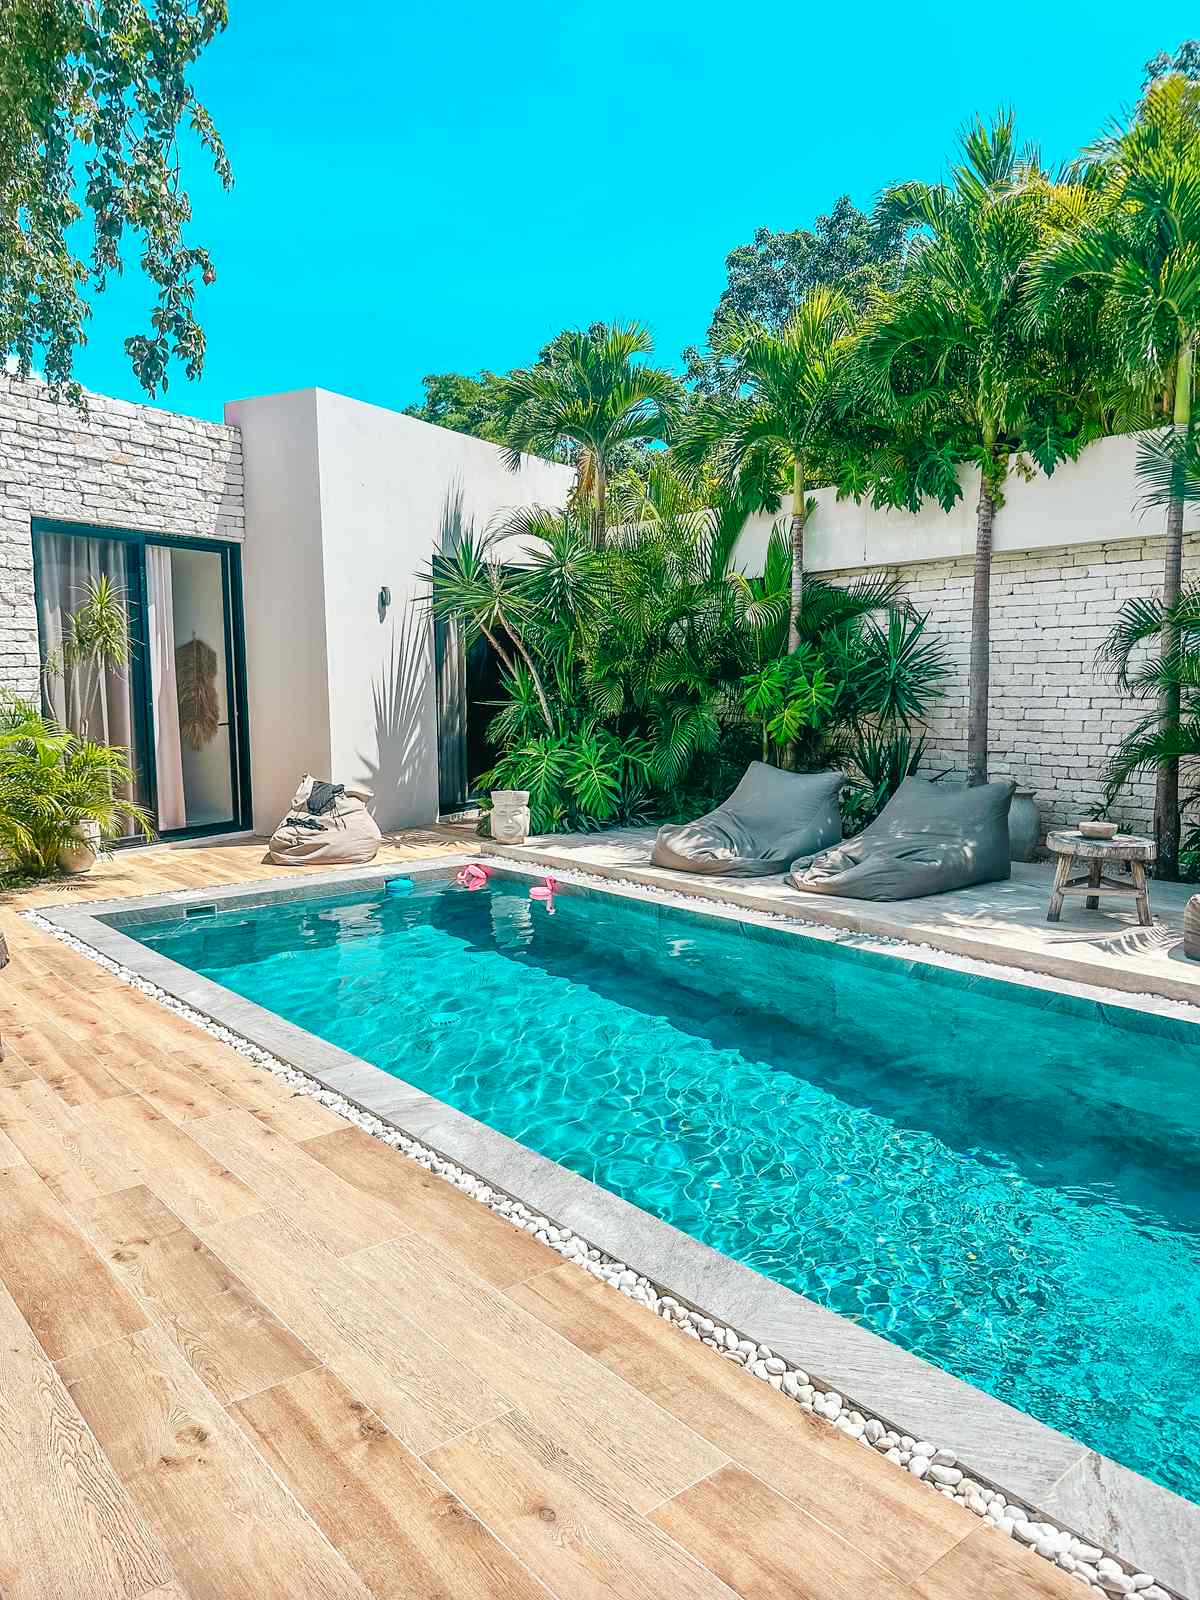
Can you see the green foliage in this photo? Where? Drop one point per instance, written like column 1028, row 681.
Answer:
column 1186, row 60
column 463, row 404
column 642, row 674
column 92, row 97
column 880, row 758
column 1133, row 238
column 1132, row 655
column 786, row 399
column 592, row 397
column 96, row 641
column 51, row 781
column 951, row 364
column 847, row 251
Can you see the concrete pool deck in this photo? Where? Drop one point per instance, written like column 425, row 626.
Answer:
column 1001, row 923
column 1075, row 1486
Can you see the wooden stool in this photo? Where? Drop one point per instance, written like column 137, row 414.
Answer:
column 1122, row 849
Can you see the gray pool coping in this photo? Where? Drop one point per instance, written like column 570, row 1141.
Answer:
column 1116, row 1507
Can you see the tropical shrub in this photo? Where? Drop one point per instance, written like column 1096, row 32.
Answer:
column 51, row 783
column 640, row 675
column 1132, row 655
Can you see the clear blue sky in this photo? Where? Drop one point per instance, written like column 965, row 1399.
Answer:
column 443, row 187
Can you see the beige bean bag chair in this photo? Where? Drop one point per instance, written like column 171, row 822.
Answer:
column 327, row 825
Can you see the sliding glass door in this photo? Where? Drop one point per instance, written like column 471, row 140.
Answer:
column 141, row 646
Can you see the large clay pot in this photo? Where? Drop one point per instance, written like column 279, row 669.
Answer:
column 1191, row 929
column 510, row 815
column 1024, row 825
column 80, row 855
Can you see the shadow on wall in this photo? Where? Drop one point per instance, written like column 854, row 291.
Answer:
column 401, row 770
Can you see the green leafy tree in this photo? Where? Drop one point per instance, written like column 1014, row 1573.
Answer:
column 1185, row 60
column 767, row 279
column 593, row 397
column 1139, row 247
column 464, row 404
column 787, row 386
column 959, row 369
column 92, row 97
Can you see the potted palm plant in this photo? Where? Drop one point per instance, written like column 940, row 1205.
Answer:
column 61, row 796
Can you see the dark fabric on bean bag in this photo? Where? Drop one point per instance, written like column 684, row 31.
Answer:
column 929, row 838
column 768, row 820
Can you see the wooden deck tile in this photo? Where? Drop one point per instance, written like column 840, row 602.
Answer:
column 581, row 1538
column 66, row 1063
column 72, row 1157
column 988, row 1565
column 67, row 1526
column 165, row 1081
column 230, row 1529
column 492, row 1248
column 850, row 1489
column 64, row 1291
column 391, row 1518
column 343, row 1217
column 611, row 1429
column 184, row 1175
column 227, row 1337
column 765, row 1547
column 399, row 1368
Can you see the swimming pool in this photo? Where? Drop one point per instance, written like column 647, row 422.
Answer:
column 1003, row 1180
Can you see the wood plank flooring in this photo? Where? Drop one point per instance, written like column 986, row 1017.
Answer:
column 249, row 1353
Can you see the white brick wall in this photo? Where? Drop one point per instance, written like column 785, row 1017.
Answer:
column 122, row 466
column 1054, row 719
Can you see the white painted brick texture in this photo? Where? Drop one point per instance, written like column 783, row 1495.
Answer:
column 120, row 466
column 1055, row 720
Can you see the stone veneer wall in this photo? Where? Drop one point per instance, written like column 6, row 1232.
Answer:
column 120, row 466
column 1054, row 720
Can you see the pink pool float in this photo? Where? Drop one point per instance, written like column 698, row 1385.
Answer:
column 472, row 876
column 545, row 891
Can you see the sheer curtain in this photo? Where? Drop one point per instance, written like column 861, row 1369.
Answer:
column 97, row 702
column 164, row 692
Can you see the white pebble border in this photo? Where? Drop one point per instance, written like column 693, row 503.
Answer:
column 1104, row 1576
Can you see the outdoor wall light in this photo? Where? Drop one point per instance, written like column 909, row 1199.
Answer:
column 385, row 600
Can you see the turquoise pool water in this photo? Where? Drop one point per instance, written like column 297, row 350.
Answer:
column 1004, row 1181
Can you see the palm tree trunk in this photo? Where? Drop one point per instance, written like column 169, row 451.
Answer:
column 601, row 496
column 981, row 642
column 796, row 540
column 1166, row 789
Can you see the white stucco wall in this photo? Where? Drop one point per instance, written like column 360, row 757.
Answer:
column 342, row 499
column 1088, row 501
column 283, row 591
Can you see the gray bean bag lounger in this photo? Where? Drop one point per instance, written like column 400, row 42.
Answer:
column 930, row 837
column 770, row 818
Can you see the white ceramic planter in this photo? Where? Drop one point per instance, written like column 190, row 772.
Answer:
column 510, row 815
column 80, row 855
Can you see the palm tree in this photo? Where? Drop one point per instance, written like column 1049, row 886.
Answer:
column 963, row 372
column 787, row 384
column 591, row 396
column 1153, row 741
column 1141, row 248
